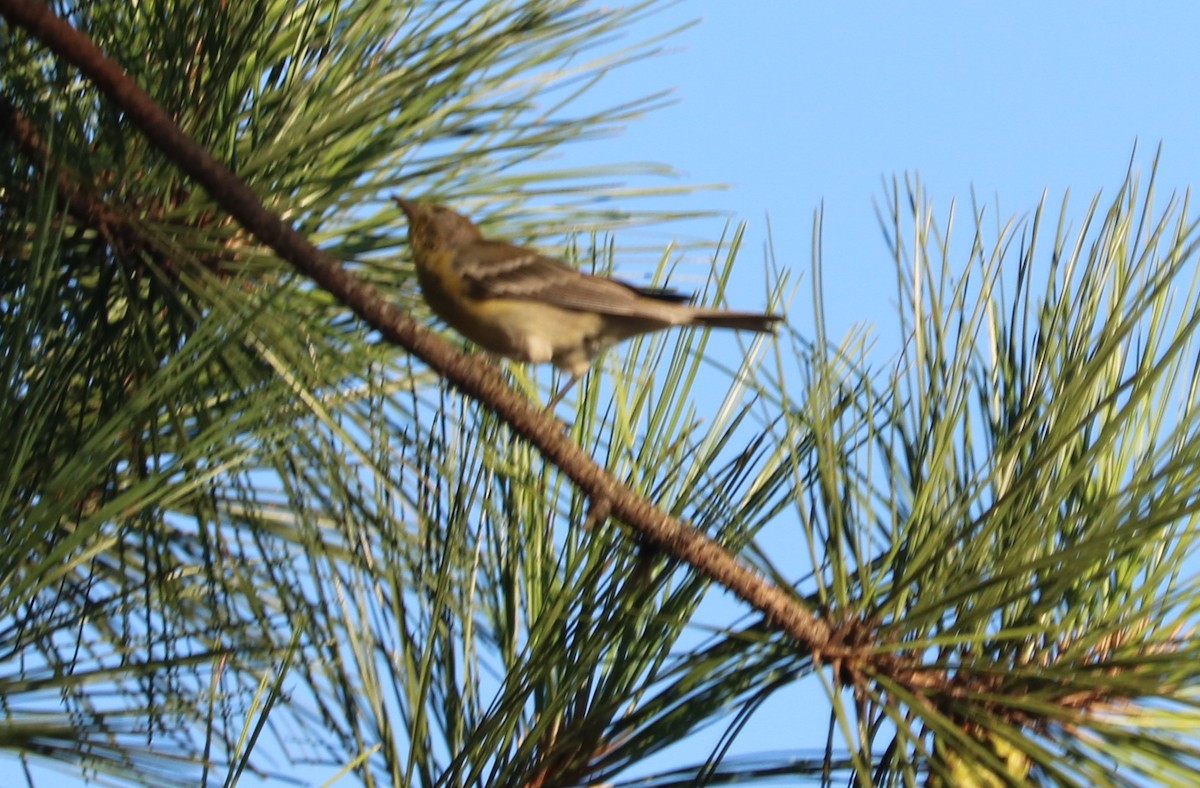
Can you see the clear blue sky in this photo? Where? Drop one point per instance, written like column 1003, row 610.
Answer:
column 797, row 104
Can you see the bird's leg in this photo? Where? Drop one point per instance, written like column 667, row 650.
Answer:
column 575, row 376
column 599, row 509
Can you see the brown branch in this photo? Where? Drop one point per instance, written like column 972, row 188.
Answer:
column 115, row 231
column 121, row 235
column 476, row 379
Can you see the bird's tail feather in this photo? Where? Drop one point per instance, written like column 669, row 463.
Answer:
column 739, row 321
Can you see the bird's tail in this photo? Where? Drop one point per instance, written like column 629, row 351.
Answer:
column 739, row 321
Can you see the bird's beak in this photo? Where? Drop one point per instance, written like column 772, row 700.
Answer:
column 407, row 206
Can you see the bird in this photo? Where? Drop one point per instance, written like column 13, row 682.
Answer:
column 515, row 302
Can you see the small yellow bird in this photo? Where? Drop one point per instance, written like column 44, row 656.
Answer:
column 520, row 304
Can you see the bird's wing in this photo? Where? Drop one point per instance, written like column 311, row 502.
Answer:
column 494, row 269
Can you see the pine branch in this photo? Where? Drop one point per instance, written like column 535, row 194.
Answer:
column 471, row 376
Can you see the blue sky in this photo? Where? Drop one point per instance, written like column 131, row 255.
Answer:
column 795, row 105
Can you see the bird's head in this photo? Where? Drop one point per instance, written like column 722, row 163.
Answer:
column 434, row 226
